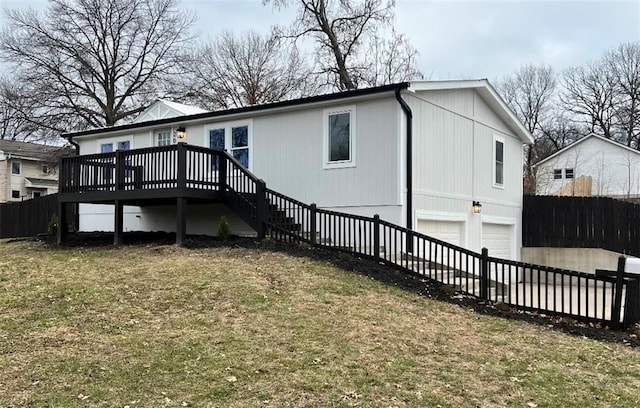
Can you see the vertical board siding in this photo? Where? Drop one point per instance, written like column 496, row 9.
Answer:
column 581, row 222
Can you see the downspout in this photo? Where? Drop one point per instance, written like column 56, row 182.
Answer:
column 76, row 145
column 409, row 165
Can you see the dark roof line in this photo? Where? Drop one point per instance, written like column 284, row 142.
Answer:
column 247, row 109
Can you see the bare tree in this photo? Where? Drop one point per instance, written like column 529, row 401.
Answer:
column 623, row 63
column 246, row 69
column 345, row 33
column 95, row 61
column 589, row 94
column 529, row 93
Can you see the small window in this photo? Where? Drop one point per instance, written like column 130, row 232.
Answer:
column 568, row 173
column 15, row 167
column 106, row 148
column 36, row 194
column 216, row 139
column 15, row 193
column 557, row 174
column 124, row 145
column 45, row 169
column 339, row 138
column 498, row 154
column 163, row 137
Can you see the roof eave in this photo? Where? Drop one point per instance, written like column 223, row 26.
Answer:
column 283, row 105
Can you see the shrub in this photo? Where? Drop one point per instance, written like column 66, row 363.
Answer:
column 52, row 227
column 224, row 232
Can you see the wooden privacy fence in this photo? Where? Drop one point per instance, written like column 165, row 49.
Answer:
column 29, row 218
column 581, row 222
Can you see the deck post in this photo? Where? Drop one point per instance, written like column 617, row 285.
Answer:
column 61, row 231
column 261, row 208
column 181, row 220
column 118, row 221
column 120, row 174
column 617, row 300
column 182, row 166
column 222, row 173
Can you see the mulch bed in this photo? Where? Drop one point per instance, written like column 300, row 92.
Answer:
column 375, row 270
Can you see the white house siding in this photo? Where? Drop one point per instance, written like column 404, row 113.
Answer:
column 453, row 166
column 614, row 170
column 287, row 153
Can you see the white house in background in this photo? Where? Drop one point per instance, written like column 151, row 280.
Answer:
column 418, row 154
column 613, row 169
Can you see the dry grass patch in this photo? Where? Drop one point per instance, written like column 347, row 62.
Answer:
column 167, row 326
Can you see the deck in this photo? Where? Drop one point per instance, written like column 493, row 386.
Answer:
column 176, row 174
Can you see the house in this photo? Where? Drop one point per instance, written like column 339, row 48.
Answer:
column 591, row 166
column 419, row 154
column 27, row 170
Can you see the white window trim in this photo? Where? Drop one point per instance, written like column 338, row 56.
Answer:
column 156, row 134
column 227, row 126
column 500, row 139
column 326, row 164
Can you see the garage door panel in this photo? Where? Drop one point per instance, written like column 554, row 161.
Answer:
column 447, row 231
column 498, row 239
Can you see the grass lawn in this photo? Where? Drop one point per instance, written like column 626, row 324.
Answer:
column 149, row 325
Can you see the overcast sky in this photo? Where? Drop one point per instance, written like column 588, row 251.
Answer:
column 463, row 39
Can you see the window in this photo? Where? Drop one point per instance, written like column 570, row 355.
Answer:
column 240, row 144
column 163, row 137
column 124, row 145
column 557, row 174
column 36, row 194
column 45, row 169
column 233, row 138
column 15, row 193
column 498, row 162
column 15, row 167
column 339, row 137
column 568, row 173
column 106, row 148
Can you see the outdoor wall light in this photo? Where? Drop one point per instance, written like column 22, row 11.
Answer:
column 477, row 207
column 181, row 132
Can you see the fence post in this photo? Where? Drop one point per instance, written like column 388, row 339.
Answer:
column 313, row 227
column 632, row 303
column 182, row 166
column 617, row 301
column 261, row 207
column 222, row 172
column 376, row 236
column 61, row 232
column 484, row 274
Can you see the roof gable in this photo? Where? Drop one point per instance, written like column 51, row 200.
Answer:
column 580, row 141
column 488, row 93
column 163, row 109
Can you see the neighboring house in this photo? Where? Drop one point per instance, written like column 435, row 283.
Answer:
column 592, row 166
column 418, row 154
column 27, row 170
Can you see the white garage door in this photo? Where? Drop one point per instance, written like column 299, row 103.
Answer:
column 448, row 231
column 498, row 239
